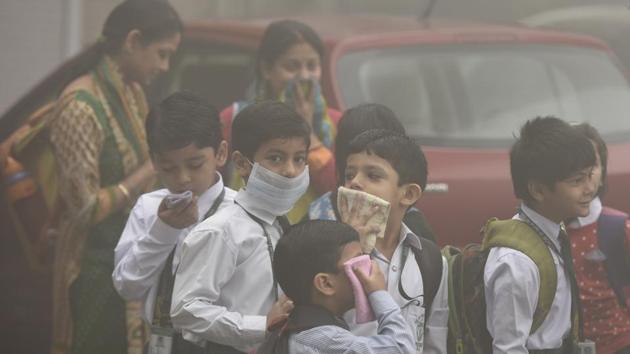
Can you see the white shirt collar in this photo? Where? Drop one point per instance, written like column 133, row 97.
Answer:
column 595, row 210
column 407, row 235
column 207, row 198
column 550, row 228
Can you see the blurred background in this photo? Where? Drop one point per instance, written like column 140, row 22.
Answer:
column 36, row 36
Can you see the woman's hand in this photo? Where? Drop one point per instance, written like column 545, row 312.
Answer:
column 304, row 100
column 140, row 178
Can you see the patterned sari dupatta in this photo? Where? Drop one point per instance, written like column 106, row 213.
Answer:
column 128, row 107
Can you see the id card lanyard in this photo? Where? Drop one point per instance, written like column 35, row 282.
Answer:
column 161, row 341
column 269, row 246
column 540, row 233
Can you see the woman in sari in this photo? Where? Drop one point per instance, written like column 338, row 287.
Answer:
column 98, row 138
column 288, row 69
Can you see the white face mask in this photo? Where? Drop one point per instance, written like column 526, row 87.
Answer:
column 277, row 193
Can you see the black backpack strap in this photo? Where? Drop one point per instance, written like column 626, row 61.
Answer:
column 418, row 224
column 429, row 260
column 284, row 222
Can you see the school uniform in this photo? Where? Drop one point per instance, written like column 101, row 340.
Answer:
column 147, row 242
column 224, row 285
column 429, row 337
column 512, row 282
column 393, row 334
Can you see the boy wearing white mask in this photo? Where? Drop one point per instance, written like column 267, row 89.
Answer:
column 224, row 289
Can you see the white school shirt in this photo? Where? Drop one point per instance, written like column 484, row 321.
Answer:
column 512, row 282
column 433, row 338
column 224, row 284
column 147, row 241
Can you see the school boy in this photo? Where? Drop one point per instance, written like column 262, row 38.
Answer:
column 551, row 165
column 391, row 166
column 224, row 288
column 600, row 246
column 309, row 265
column 186, row 145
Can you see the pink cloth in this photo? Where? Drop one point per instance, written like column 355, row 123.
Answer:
column 362, row 305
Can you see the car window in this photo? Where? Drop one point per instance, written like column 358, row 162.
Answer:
column 220, row 73
column 479, row 95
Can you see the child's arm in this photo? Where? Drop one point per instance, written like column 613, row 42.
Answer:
column 393, row 332
column 208, row 261
column 436, row 329
column 141, row 252
column 511, row 283
column 394, row 336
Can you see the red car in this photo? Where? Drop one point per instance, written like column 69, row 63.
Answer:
column 461, row 90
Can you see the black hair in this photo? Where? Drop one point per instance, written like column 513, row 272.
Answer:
column 405, row 156
column 280, row 36
column 264, row 121
column 181, row 119
column 306, row 249
column 357, row 120
column 548, row 150
column 155, row 19
column 593, row 135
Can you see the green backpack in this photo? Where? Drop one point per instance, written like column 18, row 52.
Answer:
column 467, row 330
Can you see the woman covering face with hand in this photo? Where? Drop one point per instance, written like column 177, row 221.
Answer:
column 99, row 143
column 288, row 69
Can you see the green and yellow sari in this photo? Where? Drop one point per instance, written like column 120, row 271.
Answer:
column 98, row 139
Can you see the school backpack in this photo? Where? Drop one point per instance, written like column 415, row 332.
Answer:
column 612, row 241
column 467, row 330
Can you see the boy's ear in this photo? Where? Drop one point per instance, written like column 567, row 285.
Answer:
column 241, row 164
column 536, row 190
column 221, row 154
column 324, row 284
column 411, row 192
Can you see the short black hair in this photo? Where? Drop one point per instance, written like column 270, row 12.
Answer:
column 357, row 120
column 308, row 248
column 264, row 121
column 181, row 119
column 548, row 151
column 405, row 156
column 593, row 135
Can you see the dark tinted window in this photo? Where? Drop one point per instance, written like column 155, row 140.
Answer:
column 219, row 73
